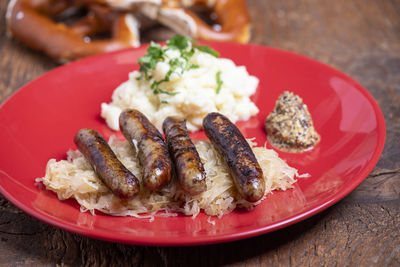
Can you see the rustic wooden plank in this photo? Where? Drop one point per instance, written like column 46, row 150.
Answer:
column 369, row 235
column 330, row 238
column 361, row 38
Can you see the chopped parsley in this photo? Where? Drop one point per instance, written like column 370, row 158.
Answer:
column 219, row 81
column 179, row 42
column 155, row 53
column 148, row 62
column 207, row 49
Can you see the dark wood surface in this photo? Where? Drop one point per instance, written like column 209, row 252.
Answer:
column 360, row 38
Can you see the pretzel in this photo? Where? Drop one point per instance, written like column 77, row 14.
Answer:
column 126, row 5
column 232, row 15
column 30, row 21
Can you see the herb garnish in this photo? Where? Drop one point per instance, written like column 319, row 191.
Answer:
column 219, row 81
column 148, row 62
column 155, row 53
column 207, row 49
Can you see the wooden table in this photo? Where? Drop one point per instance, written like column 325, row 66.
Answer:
column 360, row 38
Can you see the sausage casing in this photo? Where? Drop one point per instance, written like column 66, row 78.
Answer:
column 106, row 164
column 150, row 147
column 233, row 147
column 188, row 166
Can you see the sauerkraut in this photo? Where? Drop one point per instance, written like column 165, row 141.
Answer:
column 75, row 178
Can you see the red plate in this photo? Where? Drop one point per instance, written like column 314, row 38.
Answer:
column 39, row 121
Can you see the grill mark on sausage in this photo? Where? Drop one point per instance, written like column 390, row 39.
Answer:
column 152, row 150
column 238, row 155
column 188, row 166
column 106, row 164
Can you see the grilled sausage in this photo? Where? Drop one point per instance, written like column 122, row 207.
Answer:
column 105, row 163
column 239, row 156
column 151, row 148
column 188, row 166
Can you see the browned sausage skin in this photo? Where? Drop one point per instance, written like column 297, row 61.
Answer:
column 239, row 156
column 151, row 148
column 188, row 166
column 105, row 163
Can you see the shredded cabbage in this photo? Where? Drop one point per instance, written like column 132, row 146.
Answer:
column 74, row 178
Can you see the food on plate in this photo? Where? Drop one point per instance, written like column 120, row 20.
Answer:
column 189, row 169
column 150, row 147
column 106, row 165
column 75, row 178
column 186, row 80
column 67, row 29
column 32, row 23
column 289, row 126
column 238, row 155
